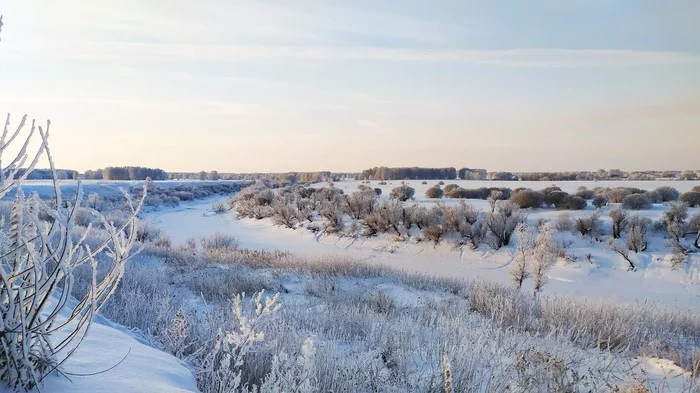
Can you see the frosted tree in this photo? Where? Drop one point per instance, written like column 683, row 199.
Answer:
column 544, row 255
column 39, row 252
column 525, row 243
column 619, row 220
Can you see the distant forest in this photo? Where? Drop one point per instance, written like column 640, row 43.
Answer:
column 376, row 173
column 125, row 173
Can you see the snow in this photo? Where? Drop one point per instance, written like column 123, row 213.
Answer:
column 607, row 278
column 45, row 188
column 121, row 363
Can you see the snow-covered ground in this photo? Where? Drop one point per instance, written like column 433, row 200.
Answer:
column 606, row 278
column 45, row 188
column 113, row 359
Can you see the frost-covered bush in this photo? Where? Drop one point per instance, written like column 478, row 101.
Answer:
column 564, row 222
column 332, row 217
column 525, row 243
column 553, row 197
column 571, row 202
column 619, row 221
column 527, row 199
column 360, row 203
column 434, row 233
column 674, row 221
column 146, row 231
column 218, row 365
column 284, row 212
column 218, row 247
column 691, row 198
column 667, row 194
column 502, row 222
column 636, row 202
column 599, row 201
column 402, row 193
column 618, row 194
column 545, row 253
column 38, row 261
column 637, row 228
column 588, row 225
column 219, row 208
column 253, row 202
column 434, row 192
column 448, row 188
column 585, row 193
column 386, row 217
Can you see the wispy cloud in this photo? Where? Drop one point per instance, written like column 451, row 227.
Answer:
column 525, row 57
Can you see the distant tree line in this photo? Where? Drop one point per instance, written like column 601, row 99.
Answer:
column 418, row 173
column 42, row 174
column 126, row 173
column 286, row 177
column 472, row 174
column 404, row 173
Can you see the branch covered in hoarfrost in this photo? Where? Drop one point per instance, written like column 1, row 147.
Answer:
column 38, row 256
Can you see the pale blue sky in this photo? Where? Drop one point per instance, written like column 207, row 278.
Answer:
column 308, row 85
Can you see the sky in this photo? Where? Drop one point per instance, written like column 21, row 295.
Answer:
column 276, row 86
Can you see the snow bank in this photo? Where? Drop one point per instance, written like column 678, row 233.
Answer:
column 143, row 369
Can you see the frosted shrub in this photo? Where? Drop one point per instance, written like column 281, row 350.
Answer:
column 599, row 201
column 359, row 203
column 332, row 216
column 218, row 246
column 553, row 196
column 434, row 192
column 691, row 198
column 588, row 225
column 571, row 202
column 564, row 222
column 585, row 193
column 527, row 199
column 667, row 194
column 219, row 208
column 177, row 339
column 402, row 193
column 464, row 220
column 619, row 221
column 291, row 374
column 95, row 201
column 525, row 242
column 386, row 217
column 636, row 202
column 637, row 233
column 434, row 233
column 219, row 368
column 37, row 259
column 544, row 255
column 284, row 213
column 502, row 222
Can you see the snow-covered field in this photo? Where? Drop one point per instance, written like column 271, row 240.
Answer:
column 45, row 188
column 606, row 278
column 594, row 275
